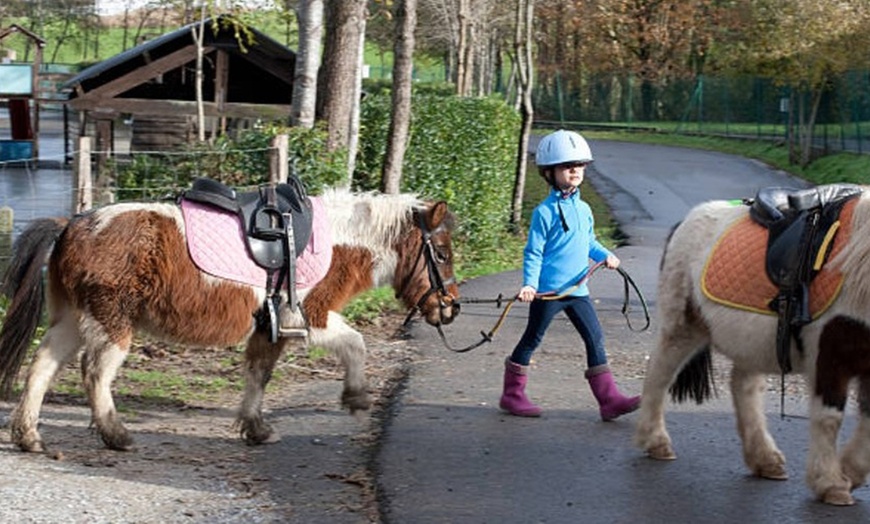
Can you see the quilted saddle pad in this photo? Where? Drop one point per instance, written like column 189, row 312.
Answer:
column 735, row 275
column 216, row 243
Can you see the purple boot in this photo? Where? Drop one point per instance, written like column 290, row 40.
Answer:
column 513, row 399
column 611, row 402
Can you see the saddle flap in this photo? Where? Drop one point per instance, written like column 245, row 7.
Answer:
column 208, row 191
column 808, row 218
column 772, row 204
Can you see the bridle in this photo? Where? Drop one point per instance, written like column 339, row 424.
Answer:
column 437, row 283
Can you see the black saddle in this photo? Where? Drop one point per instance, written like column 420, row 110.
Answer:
column 798, row 223
column 269, row 215
column 276, row 220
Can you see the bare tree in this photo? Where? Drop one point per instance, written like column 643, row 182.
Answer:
column 400, row 121
column 463, row 48
column 356, row 98
column 525, row 10
column 198, row 33
column 467, row 34
column 337, row 87
column 309, row 14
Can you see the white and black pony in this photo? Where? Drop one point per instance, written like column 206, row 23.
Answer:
column 714, row 295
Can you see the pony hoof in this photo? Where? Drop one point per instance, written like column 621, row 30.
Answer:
column 774, row 472
column 35, row 446
column 271, row 438
column 838, row 497
column 31, row 443
column 257, row 432
column 274, row 438
column 118, row 442
column 356, row 401
column 661, row 452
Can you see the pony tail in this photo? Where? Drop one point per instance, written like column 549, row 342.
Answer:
column 695, row 380
column 23, row 284
column 667, row 244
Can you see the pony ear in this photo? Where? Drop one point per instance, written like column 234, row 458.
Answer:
column 437, row 214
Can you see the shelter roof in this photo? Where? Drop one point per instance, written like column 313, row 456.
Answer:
column 260, row 69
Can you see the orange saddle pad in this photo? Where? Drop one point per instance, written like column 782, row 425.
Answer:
column 735, row 274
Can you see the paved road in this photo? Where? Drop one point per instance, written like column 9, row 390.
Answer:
column 449, row 455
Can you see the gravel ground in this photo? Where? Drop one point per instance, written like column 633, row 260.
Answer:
column 189, row 464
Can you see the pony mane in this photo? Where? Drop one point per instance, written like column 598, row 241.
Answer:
column 373, row 220
column 854, row 259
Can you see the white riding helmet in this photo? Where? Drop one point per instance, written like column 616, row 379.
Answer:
column 562, row 147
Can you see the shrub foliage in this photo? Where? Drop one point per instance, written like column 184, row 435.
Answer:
column 462, row 150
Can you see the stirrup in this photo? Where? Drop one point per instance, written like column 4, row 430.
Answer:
column 292, row 332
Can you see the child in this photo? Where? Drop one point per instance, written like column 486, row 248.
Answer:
column 556, row 257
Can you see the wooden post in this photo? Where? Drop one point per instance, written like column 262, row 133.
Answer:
column 83, row 197
column 103, row 177
column 278, row 159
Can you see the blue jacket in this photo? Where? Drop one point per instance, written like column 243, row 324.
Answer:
column 555, row 259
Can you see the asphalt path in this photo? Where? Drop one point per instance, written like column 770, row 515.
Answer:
column 450, row 455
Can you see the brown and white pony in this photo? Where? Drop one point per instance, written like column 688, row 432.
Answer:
column 836, row 350
column 125, row 268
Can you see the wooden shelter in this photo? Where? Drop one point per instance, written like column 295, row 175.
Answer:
column 154, row 85
column 19, row 85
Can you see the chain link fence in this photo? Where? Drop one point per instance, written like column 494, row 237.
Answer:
column 747, row 107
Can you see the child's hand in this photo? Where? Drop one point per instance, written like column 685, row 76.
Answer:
column 611, row 262
column 526, row 294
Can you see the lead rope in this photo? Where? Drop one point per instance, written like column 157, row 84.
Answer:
column 487, row 337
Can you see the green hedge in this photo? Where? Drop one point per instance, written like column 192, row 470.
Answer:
column 462, row 150
column 243, row 161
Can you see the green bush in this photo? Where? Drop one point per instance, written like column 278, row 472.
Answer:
column 462, row 150
column 241, row 161
column 383, row 86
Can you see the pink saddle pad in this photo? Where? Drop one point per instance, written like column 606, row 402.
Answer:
column 216, row 243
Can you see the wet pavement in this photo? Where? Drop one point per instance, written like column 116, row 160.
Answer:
column 42, row 187
column 36, row 188
column 27, row 193
column 449, row 455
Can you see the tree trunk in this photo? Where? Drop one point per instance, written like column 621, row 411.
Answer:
column 809, row 127
column 200, row 107
column 523, row 44
column 310, row 17
column 356, row 98
column 400, row 121
column 790, row 129
column 462, row 45
column 337, row 86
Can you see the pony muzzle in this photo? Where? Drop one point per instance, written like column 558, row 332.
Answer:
column 438, row 308
column 449, row 308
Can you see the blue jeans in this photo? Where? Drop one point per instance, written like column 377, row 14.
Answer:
column 580, row 312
